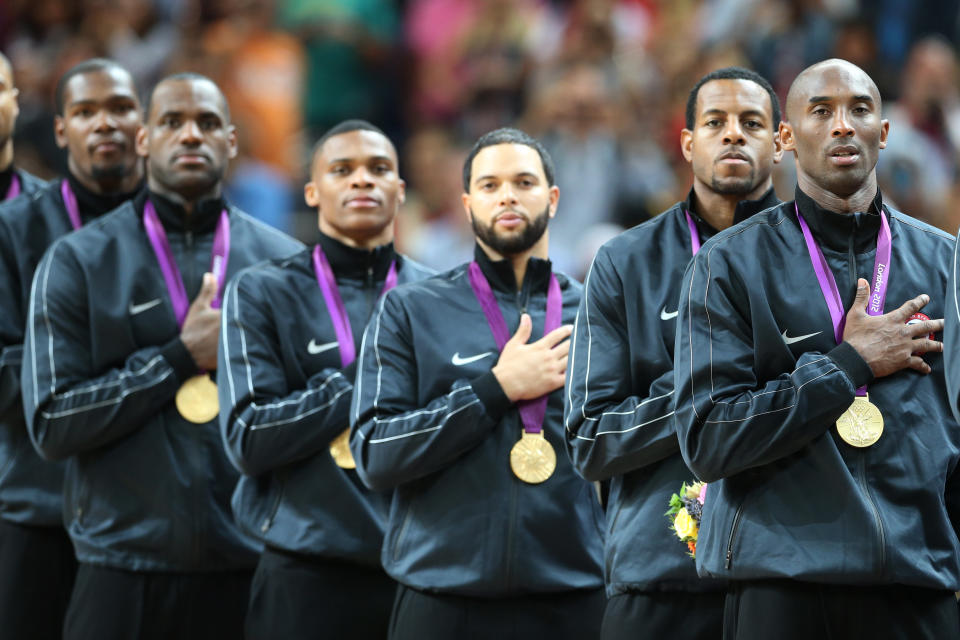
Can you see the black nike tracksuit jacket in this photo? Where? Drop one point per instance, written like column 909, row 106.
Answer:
column 760, row 382
column 145, row 489
column 284, row 397
column 951, row 332
column 430, row 421
column 29, row 183
column 619, row 403
column 31, row 489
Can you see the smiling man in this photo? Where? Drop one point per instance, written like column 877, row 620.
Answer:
column 117, row 381
column 457, row 410
column 816, row 412
column 98, row 114
column 291, row 329
column 619, row 414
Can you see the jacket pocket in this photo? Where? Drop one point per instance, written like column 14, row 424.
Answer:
column 274, row 507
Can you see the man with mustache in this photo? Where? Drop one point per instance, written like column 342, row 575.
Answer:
column 118, row 380
column 290, row 331
column 98, row 114
column 619, row 415
column 457, row 409
column 13, row 181
column 810, row 393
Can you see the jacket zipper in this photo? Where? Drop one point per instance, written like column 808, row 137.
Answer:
column 862, row 479
column 733, row 533
column 272, row 516
column 403, row 532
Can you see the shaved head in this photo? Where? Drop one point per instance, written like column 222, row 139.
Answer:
column 805, row 85
column 835, row 130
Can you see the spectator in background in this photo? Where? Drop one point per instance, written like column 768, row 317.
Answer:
column 918, row 169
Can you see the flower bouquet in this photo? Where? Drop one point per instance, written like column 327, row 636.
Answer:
column 686, row 509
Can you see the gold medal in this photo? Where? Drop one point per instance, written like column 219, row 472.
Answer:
column 532, row 458
column 340, row 450
column 197, row 399
column 861, row 424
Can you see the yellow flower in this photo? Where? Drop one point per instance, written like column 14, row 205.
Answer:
column 685, row 526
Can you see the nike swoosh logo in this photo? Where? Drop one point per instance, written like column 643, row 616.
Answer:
column 459, row 362
column 313, row 348
column 140, row 308
column 790, row 340
column 668, row 316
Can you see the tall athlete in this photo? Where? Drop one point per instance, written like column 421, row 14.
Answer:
column 117, row 380
column 458, row 409
column 13, row 181
column 291, row 329
column 816, row 412
column 619, row 414
column 98, row 114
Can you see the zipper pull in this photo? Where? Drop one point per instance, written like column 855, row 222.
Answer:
column 729, row 558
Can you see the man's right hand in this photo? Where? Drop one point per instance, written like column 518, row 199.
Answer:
column 527, row 371
column 886, row 342
column 201, row 327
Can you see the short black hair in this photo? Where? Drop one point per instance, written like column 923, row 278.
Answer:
column 187, row 75
column 346, row 126
column 93, row 65
column 732, row 73
column 507, row 135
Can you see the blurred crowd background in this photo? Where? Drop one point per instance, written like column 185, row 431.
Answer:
column 602, row 82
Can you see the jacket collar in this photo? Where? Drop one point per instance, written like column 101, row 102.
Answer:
column 501, row 277
column 351, row 262
column 95, row 204
column 172, row 215
column 835, row 230
column 745, row 209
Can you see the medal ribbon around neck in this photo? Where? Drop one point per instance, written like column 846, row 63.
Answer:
column 861, row 425
column 70, row 202
column 694, row 233
column 335, row 306
column 14, row 189
column 196, row 399
column 828, row 284
column 340, row 446
column 531, row 411
column 171, row 273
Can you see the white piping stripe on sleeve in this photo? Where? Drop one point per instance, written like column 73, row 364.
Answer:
column 46, row 320
column 428, row 430
column 297, row 417
column 105, row 385
column 230, row 293
column 105, row 403
column 627, row 430
column 825, row 373
column 420, row 412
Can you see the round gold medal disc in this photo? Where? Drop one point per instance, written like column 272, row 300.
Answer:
column 532, row 458
column 861, row 424
column 196, row 399
column 340, row 450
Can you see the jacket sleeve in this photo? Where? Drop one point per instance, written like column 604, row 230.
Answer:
column 951, row 333
column 727, row 419
column 70, row 407
column 11, row 323
column 610, row 428
column 393, row 439
column 264, row 423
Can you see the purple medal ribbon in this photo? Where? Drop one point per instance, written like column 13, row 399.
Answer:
column 335, row 306
column 171, row 274
column 531, row 411
column 14, row 190
column 694, row 234
column 828, row 284
column 70, row 202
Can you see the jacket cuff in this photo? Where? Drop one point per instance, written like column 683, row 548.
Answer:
column 177, row 356
column 491, row 395
column 852, row 364
column 350, row 372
